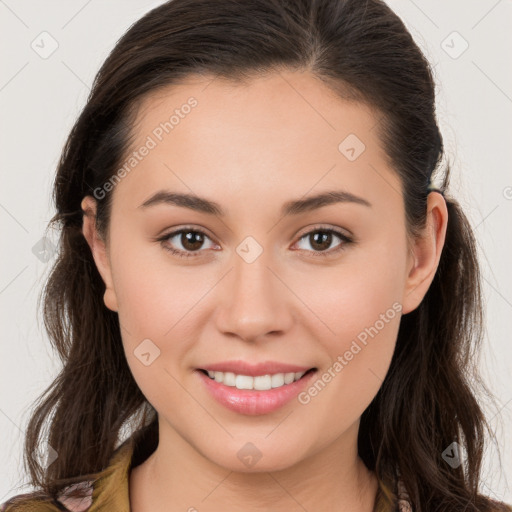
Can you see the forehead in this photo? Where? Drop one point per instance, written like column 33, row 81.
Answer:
column 281, row 133
column 296, row 106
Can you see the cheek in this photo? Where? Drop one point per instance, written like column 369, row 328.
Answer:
column 156, row 314
column 362, row 292
column 359, row 304
column 157, row 309
column 365, row 325
column 153, row 294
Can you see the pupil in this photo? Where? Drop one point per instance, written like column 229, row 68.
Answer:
column 190, row 243
column 323, row 236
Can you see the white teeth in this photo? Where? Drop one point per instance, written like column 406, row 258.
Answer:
column 288, row 378
column 244, row 382
column 277, row 380
column 259, row 383
column 229, row 379
column 263, row 383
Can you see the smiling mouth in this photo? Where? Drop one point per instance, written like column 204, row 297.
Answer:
column 257, row 383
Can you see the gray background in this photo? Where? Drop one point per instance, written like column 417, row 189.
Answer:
column 41, row 95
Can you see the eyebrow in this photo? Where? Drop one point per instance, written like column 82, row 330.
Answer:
column 293, row 207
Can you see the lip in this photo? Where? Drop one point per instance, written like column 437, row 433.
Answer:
column 255, row 370
column 253, row 402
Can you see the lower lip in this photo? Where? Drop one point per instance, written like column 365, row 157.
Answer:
column 251, row 402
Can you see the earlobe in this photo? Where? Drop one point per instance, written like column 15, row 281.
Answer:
column 425, row 253
column 98, row 250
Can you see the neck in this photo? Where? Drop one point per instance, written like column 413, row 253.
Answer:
column 176, row 477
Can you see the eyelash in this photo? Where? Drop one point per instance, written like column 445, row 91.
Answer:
column 322, row 254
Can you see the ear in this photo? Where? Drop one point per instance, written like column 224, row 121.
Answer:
column 425, row 253
column 99, row 250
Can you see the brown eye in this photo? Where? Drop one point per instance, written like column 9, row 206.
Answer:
column 191, row 240
column 320, row 241
column 188, row 241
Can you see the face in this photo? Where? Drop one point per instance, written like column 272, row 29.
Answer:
column 254, row 279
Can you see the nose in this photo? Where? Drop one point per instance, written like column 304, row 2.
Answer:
column 254, row 301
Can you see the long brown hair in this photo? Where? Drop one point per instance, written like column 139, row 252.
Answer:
column 363, row 51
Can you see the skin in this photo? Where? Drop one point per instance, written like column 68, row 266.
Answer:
column 272, row 140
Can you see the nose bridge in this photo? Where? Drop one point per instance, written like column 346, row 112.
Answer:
column 255, row 302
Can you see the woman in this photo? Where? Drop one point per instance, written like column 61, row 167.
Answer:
column 262, row 301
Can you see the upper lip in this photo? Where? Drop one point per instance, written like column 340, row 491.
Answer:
column 254, row 370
